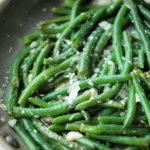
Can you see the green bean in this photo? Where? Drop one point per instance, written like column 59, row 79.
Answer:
column 142, row 77
column 85, row 84
column 86, row 27
column 72, row 117
column 86, row 115
column 61, row 11
column 28, row 62
column 61, row 57
column 142, row 96
column 120, row 120
column 117, row 45
column 144, row 11
column 114, row 6
column 62, row 78
column 147, row 23
column 25, row 137
column 11, row 99
column 106, row 112
column 34, row 134
column 128, row 53
column 75, row 9
column 58, row 145
column 38, row 102
column 131, row 106
column 116, row 114
column 39, row 60
column 14, row 69
column 112, row 129
column 57, row 127
column 55, row 20
column 54, row 109
column 84, row 63
column 68, row 3
column 102, row 97
column 125, row 140
column 67, row 31
column 141, row 57
column 43, row 77
column 140, row 30
column 53, row 28
column 87, row 142
column 73, row 127
column 133, row 148
column 147, row 5
column 31, row 37
column 53, row 136
column 112, row 104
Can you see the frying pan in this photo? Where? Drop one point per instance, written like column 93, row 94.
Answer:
column 17, row 19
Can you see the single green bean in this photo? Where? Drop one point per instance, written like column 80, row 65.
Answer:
column 117, row 45
column 57, row 127
column 131, row 106
column 39, row 60
column 56, row 20
column 128, row 53
column 72, row 117
column 61, row 11
column 38, row 102
column 102, row 97
column 125, row 140
column 141, row 57
column 11, row 99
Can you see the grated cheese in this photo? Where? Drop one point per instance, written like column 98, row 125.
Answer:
column 12, row 122
column 71, row 136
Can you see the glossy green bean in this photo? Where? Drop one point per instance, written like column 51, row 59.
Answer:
column 25, row 137
column 39, row 60
column 72, row 117
column 54, row 136
column 144, row 11
column 14, row 69
column 85, row 84
column 43, row 77
column 111, row 129
column 53, row 28
column 117, row 45
column 125, row 140
column 143, row 77
column 61, row 11
column 56, row 20
column 57, row 127
column 128, row 53
column 38, row 102
column 67, row 31
column 58, row 145
column 141, row 57
column 84, row 63
column 102, row 97
column 34, row 134
column 11, row 99
column 140, row 30
column 131, row 106
column 142, row 96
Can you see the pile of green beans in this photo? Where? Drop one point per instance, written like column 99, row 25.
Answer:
column 77, row 93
